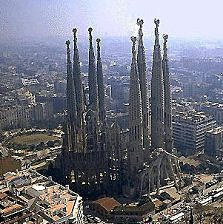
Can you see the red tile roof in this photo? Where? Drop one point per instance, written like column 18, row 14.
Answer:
column 2, row 195
column 12, row 208
column 107, row 203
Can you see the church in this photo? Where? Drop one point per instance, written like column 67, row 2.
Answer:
column 101, row 159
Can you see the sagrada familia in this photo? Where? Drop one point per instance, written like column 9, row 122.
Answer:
column 98, row 158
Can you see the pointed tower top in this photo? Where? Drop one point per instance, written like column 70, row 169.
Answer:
column 101, row 91
column 68, row 50
column 90, row 36
column 90, row 29
column 98, row 45
column 75, row 35
column 165, row 38
column 74, row 31
column 92, row 81
column 157, row 22
column 75, row 45
column 140, row 23
column 133, row 39
column 90, row 32
column 98, row 48
column 67, row 43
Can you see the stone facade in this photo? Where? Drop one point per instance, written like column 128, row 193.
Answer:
column 89, row 160
column 98, row 158
column 157, row 96
column 168, row 129
column 141, row 63
column 16, row 116
column 153, row 166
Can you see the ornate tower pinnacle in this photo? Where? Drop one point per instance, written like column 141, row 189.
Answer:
column 71, row 104
column 141, row 62
column 157, row 23
column 93, row 90
column 157, row 100
column 77, row 82
column 101, row 91
column 133, row 39
column 75, row 35
column 135, row 152
column 68, row 50
column 140, row 22
column 167, row 100
column 165, row 39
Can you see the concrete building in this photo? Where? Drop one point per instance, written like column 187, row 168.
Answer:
column 42, row 111
column 60, row 87
column 15, row 116
column 214, row 142
column 16, row 109
column 27, row 196
column 32, row 84
column 213, row 109
column 189, row 129
column 190, row 90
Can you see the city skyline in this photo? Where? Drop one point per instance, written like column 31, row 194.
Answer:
column 111, row 111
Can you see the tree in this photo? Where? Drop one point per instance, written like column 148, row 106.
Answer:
column 50, row 143
column 201, row 212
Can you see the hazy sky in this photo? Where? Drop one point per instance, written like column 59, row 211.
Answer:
column 44, row 18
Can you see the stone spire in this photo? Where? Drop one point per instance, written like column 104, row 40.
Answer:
column 157, row 100
column 101, row 91
column 135, row 152
column 91, row 130
column 93, row 90
column 141, row 60
column 71, row 103
column 167, row 100
column 78, row 82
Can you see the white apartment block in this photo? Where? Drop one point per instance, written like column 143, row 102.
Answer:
column 189, row 130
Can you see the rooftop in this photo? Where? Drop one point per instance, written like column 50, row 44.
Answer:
column 215, row 131
column 24, row 189
column 107, row 203
column 192, row 116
